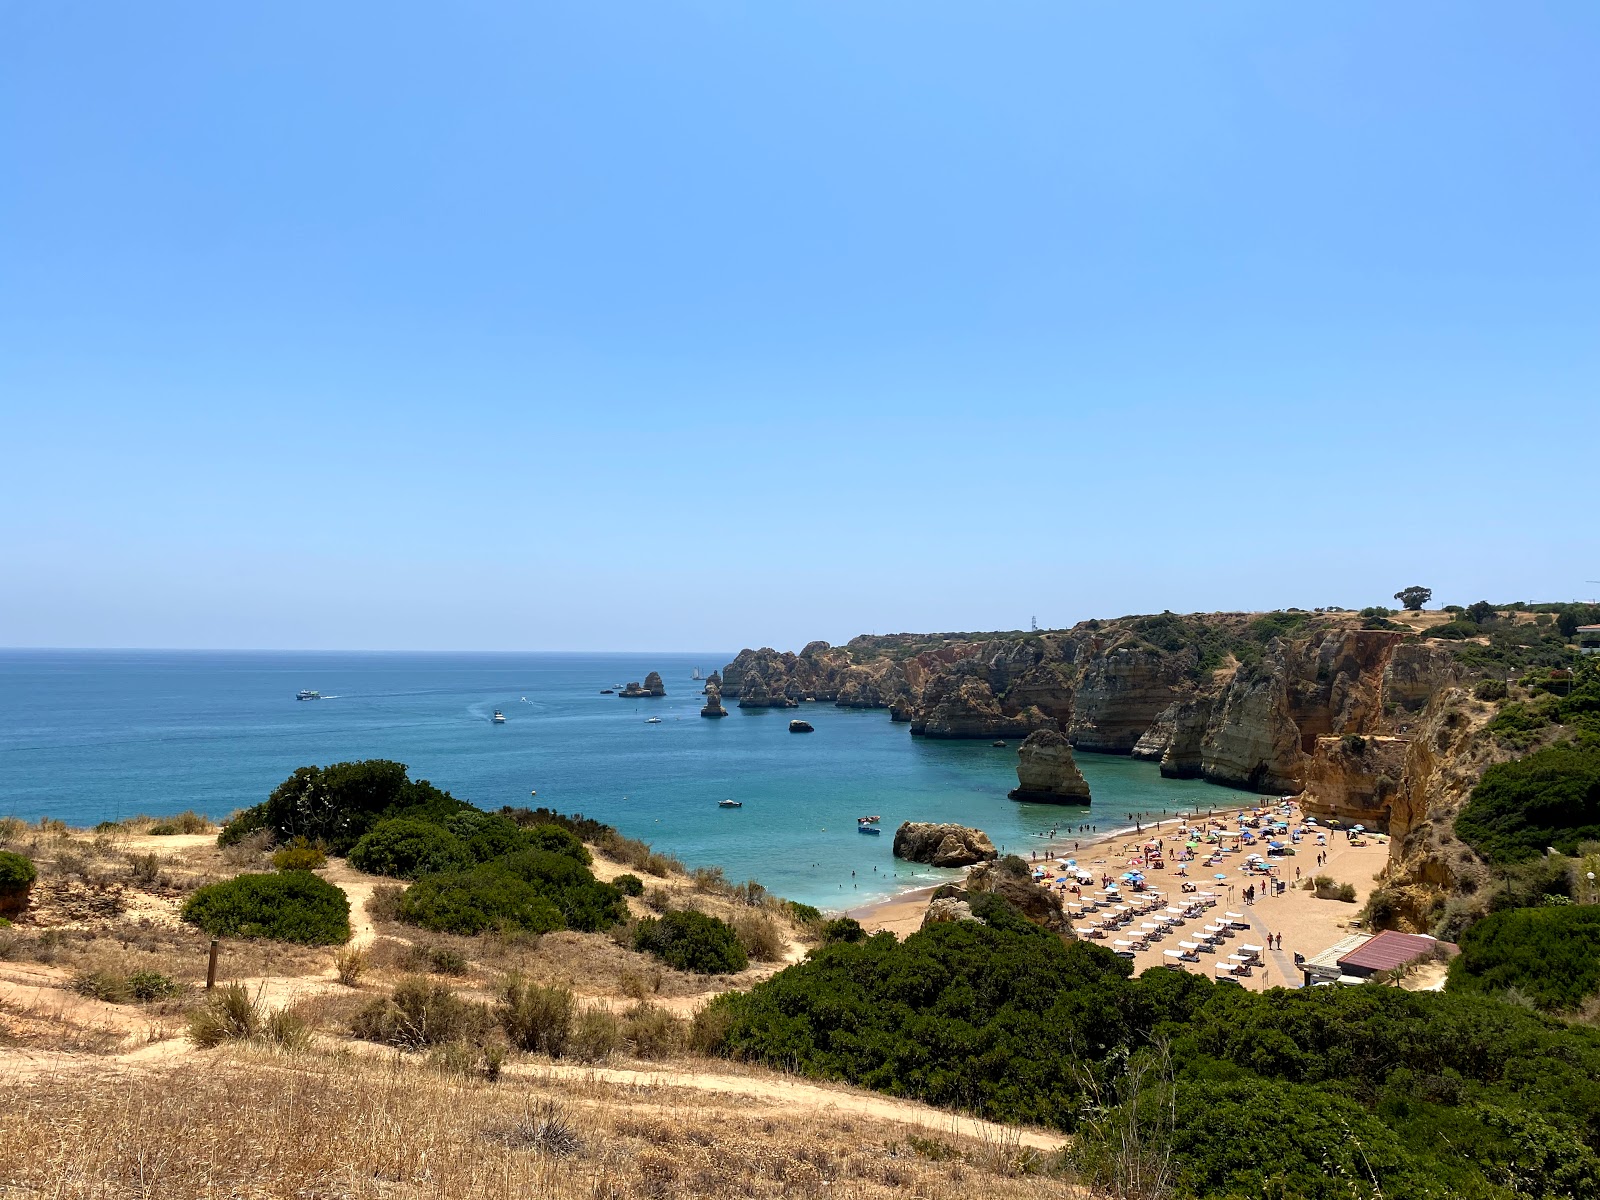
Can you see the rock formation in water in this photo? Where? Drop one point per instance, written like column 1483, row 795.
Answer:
column 713, row 706
column 801, row 727
column 714, row 680
column 1046, row 772
column 652, row 686
column 942, row 845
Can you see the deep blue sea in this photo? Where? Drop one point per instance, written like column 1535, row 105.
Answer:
column 88, row 736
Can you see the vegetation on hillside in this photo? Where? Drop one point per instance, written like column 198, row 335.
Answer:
column 1548, row 955
column 1317, row 1093
column 1519, row 809
column 291, row 906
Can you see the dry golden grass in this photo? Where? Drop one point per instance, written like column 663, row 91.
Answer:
column 248, row 1123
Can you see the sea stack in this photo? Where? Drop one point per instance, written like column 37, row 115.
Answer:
column 800, row 727
column 713, row 680
column 1046, row 773
column 713, row 706
column 652, row 686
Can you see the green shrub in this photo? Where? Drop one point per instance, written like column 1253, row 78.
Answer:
column 16, row 871
column 629, row 885
column 1491, row 689
column 692, row 941
column 535, row 1018
column 843, row 929
column 595, row 1036
column 1549, row 798
column 476, row 901
column 420, row 1013
column 300, row 855
column 1549, row 954
column 230, row 1013
column 294, row 906
column 406, row 848
column 583, row 901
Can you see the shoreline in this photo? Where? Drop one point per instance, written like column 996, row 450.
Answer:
column 901, row 913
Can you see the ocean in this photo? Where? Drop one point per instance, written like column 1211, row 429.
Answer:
column 88, row 736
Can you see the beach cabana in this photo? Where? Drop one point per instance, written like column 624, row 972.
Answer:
column 1253, row 951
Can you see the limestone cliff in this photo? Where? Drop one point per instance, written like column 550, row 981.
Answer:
column 1046, row 772
column 964, row 706
column 1354, row 779
column 1121, row 694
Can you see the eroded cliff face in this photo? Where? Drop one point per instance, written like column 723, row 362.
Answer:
column 1121, row 694
column 1355, row 779
column 964, row 706
column 1046, row 771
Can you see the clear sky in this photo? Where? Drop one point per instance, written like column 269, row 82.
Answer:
column 696, row 325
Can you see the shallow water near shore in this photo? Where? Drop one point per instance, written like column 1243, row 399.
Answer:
column 88, row 736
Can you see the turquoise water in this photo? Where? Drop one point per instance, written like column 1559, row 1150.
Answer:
column 88, row 736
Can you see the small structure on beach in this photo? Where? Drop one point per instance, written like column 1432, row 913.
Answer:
column 1361, row 956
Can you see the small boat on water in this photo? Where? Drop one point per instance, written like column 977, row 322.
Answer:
column 499, row 717
column 305, row 695
column 868, row 820
column 652, row 720
column 697, row 674
column 863, row 827
column 730, row 803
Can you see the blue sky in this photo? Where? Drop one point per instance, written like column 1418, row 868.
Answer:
column 699, row 325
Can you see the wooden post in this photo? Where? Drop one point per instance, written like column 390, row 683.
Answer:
column 211, row 967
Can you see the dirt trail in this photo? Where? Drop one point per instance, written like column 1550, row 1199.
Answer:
column 794, row 1095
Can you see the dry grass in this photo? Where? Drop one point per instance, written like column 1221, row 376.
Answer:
column 29, row 1027
column 251, row 1124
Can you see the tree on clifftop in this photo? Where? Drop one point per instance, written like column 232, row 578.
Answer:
column 1414, row 597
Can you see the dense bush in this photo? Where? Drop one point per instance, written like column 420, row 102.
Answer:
column 420, row 1013
column 17, row 875
column 583, row 901
column 692, row 941
column 1314, row 1093
column 629, row 885
column 336, row 804
column 1550, row 954
column 294, row 906
column 300, row 855
column 477, row 901
column 1549, row 798
column 405, row 847
column 536, row 1018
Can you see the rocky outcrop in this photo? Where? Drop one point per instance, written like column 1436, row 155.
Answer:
column 1415, row 673
column 964, row 706
column 1010, row 879
column 652, row 686
column 1046, row 772
column 942, row 845
column 946, row 908
column 767, row 679
column 1122, row 694
column 801, row 727
column 713, row 706
column 1354, row 779
column 713, row 680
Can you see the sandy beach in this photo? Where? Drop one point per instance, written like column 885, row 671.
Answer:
column 1307, row 925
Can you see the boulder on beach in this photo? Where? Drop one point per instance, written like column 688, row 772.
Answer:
column 942, row 845
column 1011, row 879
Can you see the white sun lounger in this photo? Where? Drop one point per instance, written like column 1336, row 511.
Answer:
column 1252, row 951
column 1191, row 947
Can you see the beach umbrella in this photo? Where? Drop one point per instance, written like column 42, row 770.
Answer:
column 1219, row 876
column 1359, row 828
